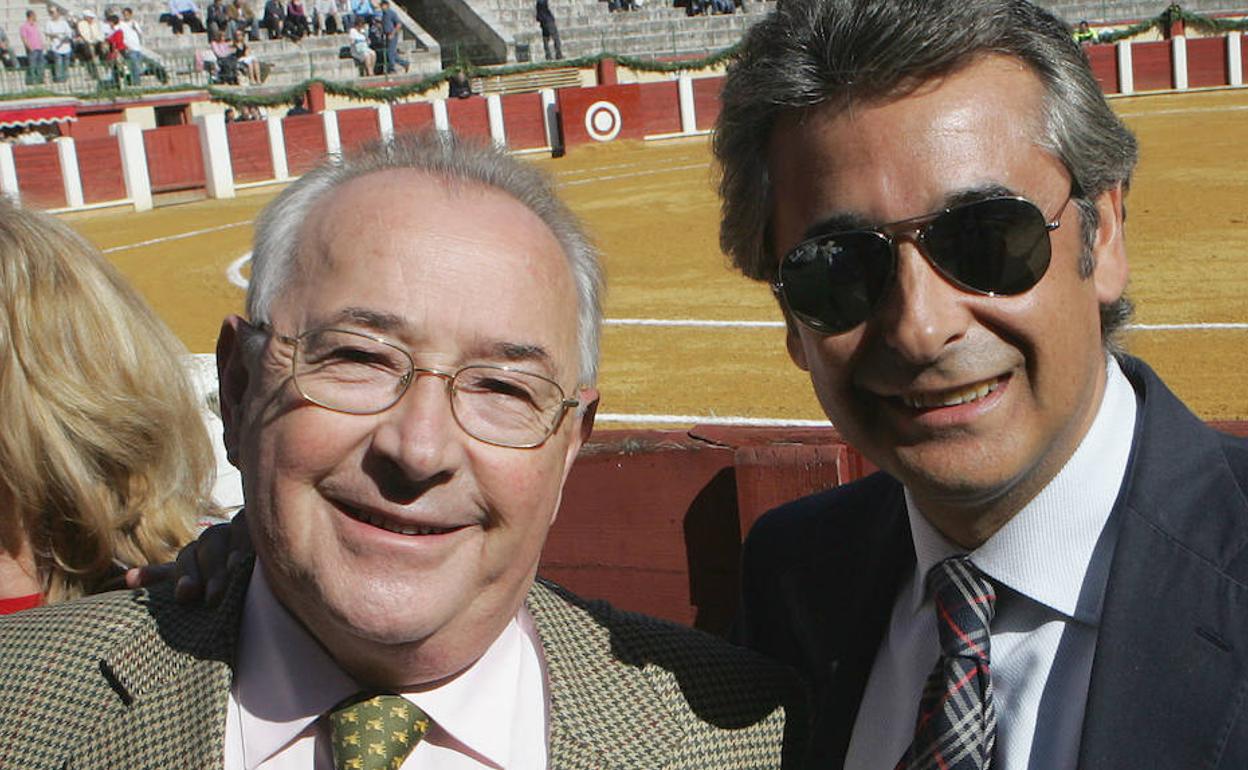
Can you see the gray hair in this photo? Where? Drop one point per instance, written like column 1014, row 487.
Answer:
column 842, row 52
column 444, row 155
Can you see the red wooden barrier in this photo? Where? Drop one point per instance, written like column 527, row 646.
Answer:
column 39, row 175
column 602, row 113
column 358, row 127
column 249, row 151
column 99, row 166
column 522, row 115
column 174, row 158
column 1206, row 62
column 305, row 142
column 660, row 107
column 469, row 117
column 1150, row 65
column 1104, row 62
column 706, row 101
column 412, row 116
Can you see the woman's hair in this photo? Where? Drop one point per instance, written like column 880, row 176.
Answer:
column 104, row 453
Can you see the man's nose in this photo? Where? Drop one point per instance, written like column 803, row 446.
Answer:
column 923, row 312
column 419, row 434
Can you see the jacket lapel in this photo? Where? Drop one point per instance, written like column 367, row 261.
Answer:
column 171, row 685
column 1169, row 673
column 599, row 707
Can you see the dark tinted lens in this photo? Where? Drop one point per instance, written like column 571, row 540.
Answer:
column 998, row 246
column 831, row 283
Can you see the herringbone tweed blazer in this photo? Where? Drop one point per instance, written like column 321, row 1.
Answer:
column 133, row 680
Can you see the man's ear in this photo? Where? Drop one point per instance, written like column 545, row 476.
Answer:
column 1109, row 250
column 232, row 379
column 580, row 434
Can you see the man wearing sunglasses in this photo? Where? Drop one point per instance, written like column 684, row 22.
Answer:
column 1050, row 571
column 404, row 403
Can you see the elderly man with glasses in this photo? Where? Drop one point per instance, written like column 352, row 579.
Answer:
column 404, row 401
column 1051, row 569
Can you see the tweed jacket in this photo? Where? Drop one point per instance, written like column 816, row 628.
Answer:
column 1169, row 674
column 133, row 680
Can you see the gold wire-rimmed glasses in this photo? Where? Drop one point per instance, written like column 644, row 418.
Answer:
column 354, row 372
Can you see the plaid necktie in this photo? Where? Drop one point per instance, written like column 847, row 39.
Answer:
column 957, row 724
column 375, row 731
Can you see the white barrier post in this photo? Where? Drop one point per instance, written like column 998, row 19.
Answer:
column 1234, row 58
column 1178, row 56
column 8, row 173
column 333, row 142
column 549, row 118
column 215, row 144
column 688, row 117
column 440, row 119
column 277, row 149
column 133, row 164
column 70, row 176
column 1126, row 76
column 494, row 109
column 385, row 122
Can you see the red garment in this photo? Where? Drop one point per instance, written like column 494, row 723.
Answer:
column 116, row 40
column 9, row 606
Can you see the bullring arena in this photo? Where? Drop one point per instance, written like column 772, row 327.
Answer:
column 689, row 341
column 704, row 422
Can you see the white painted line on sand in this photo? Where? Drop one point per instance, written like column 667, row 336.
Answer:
column 234, row 273
column 176, row 237
column 690, row 322
column 609, row 177
column 1184, row 327
column 701, row 419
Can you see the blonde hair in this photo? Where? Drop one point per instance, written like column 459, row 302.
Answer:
column 104, row 453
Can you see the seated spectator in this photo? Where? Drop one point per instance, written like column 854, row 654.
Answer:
column 230, row 116
column 458, row 85
column 89, row 42
column 220, row 60
column 274, row 18
column 1084, row 34
column 246, row 62
column 325, row 18
column 242, row 16
column 362, row 9
column 6, row 51
column 363, row 54
column 218, row 16
column 106, row 460
column 723, row 6
column 182, row 13
column 296, row 27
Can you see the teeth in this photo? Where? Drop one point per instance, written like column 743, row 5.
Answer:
column 389, row 527
column 951, row 397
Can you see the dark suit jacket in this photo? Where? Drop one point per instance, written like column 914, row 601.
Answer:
column 132, row 680
column 1170, row 672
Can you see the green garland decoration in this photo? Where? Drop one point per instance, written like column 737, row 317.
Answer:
column 396, row 93
column 1166, row 18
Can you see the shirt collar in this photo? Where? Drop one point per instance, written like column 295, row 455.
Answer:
column 1047, row 550
column 286, row 680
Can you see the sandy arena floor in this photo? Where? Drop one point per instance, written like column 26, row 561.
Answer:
column 653, row 209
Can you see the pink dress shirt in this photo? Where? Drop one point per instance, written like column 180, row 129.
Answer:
column 494, row 715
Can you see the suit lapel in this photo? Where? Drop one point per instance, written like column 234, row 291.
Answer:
column 1169, row 674
column 844, row 599
column 598, row 703
column 171, row 684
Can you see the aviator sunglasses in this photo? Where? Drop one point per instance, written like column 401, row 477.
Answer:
column 998, row 246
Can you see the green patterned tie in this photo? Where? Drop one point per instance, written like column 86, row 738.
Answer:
column 375, row 731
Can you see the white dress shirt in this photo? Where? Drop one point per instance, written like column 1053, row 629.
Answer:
column 1049, row 565
column 494, row 715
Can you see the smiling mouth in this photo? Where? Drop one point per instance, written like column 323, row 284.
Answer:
column 392, row 526
column 953, row 397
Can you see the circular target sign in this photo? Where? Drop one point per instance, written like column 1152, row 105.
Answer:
column 602, row 121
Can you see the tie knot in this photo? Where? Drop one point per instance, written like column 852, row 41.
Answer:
column 375, row 731
column 964, row 607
